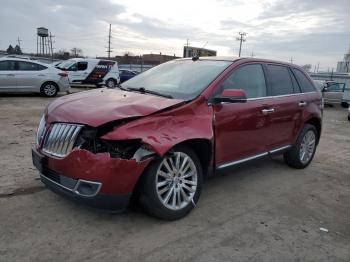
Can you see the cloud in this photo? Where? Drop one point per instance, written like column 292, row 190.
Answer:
column 307, row 30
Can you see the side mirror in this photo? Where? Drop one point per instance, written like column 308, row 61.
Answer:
column 325, row 89
column 231, row 96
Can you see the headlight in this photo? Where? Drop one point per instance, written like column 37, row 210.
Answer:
column 41, row 131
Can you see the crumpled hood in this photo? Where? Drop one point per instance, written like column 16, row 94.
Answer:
column 100, row 106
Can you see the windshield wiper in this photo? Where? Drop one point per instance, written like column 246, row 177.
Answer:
column 143, row 90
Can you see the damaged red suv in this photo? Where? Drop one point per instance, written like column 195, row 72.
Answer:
column 158, row 134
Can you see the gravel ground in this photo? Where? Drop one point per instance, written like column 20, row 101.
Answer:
column 263, row 211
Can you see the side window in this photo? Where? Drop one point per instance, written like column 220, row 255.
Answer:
column 27, row 66
column 7, row 65
column 73, row 67
column 304, row 82
column 250, row 78
column 336, row 87
column 280, row 80
column 82, row 66
column 296, row 86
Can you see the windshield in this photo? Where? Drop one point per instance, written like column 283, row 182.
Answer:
column 180, row 79
column 65, row 64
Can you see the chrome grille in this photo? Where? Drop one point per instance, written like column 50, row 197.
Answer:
column 61, row 138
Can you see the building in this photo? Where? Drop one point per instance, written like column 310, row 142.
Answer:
column 190, row 51
column 344, row 66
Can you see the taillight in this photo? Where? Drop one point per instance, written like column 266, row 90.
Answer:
column 63, row 74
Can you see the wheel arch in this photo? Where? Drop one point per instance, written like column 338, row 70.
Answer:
column 317, row 123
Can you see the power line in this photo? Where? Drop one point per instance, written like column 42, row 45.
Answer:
column 241, row 39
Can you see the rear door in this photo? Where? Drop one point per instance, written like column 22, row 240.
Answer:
column 30, row 76
column 287, row 107
column 7, row 76
column 241, row 128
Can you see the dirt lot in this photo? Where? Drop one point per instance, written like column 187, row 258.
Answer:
column 264, row 211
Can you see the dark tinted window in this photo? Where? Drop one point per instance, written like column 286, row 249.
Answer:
column 7, row 65
column 27, row 66
column 280, row 80
column 304, row 82
column 250, row 78
column 296, row 86
column 82, row 66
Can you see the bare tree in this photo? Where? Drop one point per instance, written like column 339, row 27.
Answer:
column 76, row 52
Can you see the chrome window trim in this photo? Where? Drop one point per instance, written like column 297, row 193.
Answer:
column 266, row 97
column 236, row 162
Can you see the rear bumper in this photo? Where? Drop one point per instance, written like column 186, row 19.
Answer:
column 69, row 189
column 63, row 85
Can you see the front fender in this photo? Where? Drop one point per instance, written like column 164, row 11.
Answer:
column 163, row 131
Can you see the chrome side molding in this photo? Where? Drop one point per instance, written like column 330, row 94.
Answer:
column 240, row 161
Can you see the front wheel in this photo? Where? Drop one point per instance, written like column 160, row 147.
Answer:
column 302, row 153
column 172, row 185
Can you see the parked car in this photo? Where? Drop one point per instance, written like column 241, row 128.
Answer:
column 126, row 75
column 28, row 76
column 333, row 92
column 91, row 71
column 157, row 136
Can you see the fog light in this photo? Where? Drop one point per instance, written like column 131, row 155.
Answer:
column 87, row 188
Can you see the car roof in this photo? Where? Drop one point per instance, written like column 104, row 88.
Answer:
column 245, row 59
column 23, row 60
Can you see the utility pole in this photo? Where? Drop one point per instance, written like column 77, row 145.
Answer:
column 318, row 66
column 109, row 41
column 291, row 60
column 51, row 48
column 19, row 42
column 241, row 39
column 252, row 54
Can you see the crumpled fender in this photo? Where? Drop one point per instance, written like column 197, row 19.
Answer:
column 162, row 131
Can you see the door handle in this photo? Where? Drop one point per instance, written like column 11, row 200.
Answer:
column 41, row 75
column 268, row 111
column 302, row 103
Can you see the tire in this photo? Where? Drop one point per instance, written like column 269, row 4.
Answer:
column 301, row 155
column 344, row 104
column 49, row 89
column 111, row 83
column 349, row 117
column 158, row 200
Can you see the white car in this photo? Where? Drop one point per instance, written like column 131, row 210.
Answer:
column 91, row 71
column 27, row 76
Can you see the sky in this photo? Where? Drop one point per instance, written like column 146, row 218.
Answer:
column 306, row 31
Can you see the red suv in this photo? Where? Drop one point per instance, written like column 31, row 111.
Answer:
column 158, row 134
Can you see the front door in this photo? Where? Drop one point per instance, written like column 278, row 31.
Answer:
column 241, row 129
column 29, row 76
column 78, row 72
column 333, row 93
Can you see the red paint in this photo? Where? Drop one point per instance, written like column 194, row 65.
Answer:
column 235, row 130
column 233, row 93
column 100, row 106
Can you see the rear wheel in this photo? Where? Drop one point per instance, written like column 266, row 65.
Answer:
column 49, row 89
column 111, row 83
column 172, row 185
column 344, row 104
column 302, row 153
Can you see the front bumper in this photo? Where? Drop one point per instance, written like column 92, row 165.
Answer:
column 93, row 179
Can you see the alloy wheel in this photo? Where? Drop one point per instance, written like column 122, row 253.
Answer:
column 176, row 181
column 49, row 90
column 307, row 146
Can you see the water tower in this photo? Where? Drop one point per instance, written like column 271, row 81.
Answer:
column 43, row 43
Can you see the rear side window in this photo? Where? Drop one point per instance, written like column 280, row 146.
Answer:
column 250, row 78
column 27, row 66
column 7, row 65
column 280, row 80
column 304, row 82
